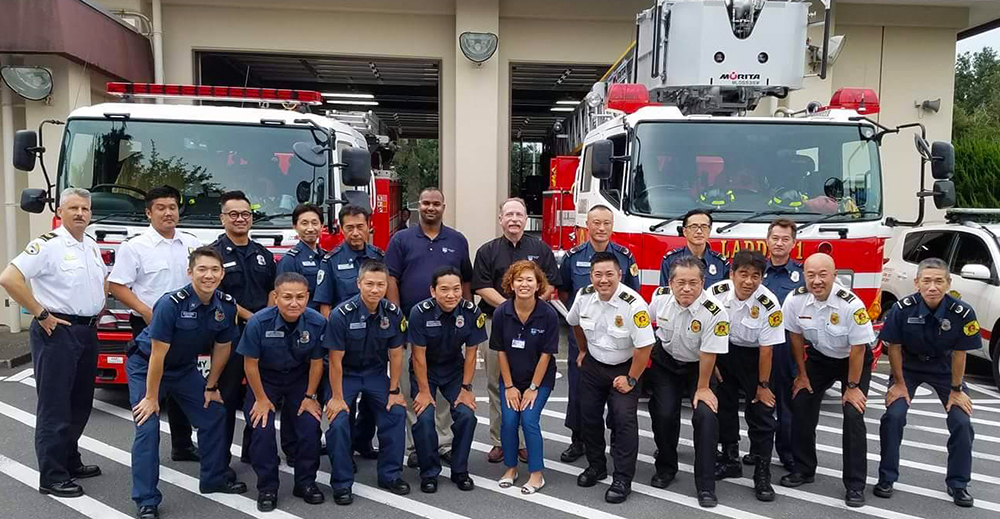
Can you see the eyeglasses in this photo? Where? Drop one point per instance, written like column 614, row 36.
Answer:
column 236, row 215
column 698, row 227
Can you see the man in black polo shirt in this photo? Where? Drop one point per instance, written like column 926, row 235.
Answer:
column 492, row 261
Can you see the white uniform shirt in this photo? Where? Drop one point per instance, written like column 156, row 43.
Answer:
column 757, row 321
column 613, row 328
column 685, row 333
column 66, row 276
column 832, row 326
column 151, row 265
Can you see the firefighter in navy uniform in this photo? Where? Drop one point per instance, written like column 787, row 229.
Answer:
column 574, row 274
column 837, row 326
column 697, row 226
column 928, row 334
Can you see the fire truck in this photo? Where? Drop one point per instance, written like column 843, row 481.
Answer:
column 673, row 127
column 279, row 157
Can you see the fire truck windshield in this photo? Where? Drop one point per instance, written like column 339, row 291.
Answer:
column 812, row 170
column 119, row 160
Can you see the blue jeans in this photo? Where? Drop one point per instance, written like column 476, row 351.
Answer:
column 528, row 420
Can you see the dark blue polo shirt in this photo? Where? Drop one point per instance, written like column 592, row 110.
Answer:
column 783, row 279
column 930, row 335
column 412, row 258
column 574, row 272
column 445, row 335
column 303, row 260
column 337, row 280
column 250, row 272
column 497, row 255
column 189, row 326
column 716, row 266
column 525, row 343
column 282, row 346
column 365, row 338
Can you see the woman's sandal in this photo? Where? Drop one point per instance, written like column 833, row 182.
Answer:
column 528, row 489
column 508, row 482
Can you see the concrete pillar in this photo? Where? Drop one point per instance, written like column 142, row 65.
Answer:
column 477, row 122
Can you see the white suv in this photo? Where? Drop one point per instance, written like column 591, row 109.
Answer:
column 969, row 244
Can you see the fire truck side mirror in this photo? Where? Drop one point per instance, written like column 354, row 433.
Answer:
column 942, row 160
column 302, row 191
column 25, row 142
column 33, row 200
column 314, row 155
column 944, row 194
column 357, row 170
column 600, row 159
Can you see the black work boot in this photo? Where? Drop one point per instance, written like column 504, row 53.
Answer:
column 762, row 481
column 729, row 466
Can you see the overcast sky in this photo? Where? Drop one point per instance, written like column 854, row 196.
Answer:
column 976, row 43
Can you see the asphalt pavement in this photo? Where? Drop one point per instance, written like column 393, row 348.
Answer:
column 919, row 494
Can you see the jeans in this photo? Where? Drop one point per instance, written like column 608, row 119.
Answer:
column 528, row 420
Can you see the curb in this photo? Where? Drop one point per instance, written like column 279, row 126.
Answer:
column 17, row 360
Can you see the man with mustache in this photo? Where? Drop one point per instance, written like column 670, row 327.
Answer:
column 147, row 266
column 838, row 328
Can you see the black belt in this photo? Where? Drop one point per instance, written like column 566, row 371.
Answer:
column 89, row 321
column 923, row 358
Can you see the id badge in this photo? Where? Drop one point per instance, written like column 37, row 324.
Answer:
column 517, row 344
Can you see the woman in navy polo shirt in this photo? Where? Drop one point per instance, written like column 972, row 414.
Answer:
column 526, row 335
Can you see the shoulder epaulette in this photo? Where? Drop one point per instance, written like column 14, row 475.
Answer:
column 960, row 309
column 392, row 307
column 578, row 248
column 188, row 233
column 845, row 295
column 425, row 306
column 226, row 297
column 589, row 289
column 906, row 301
column 623, row 249
column 716, row 254
column 675, row 251
column 661, row 291
column 47, row 236
column 346, row 307
column 720, row 288
column 128, row 238
column 377, row 250
column 468, row 305
column 710, row 306
column 628, row 298
column 765, row 302
column 179, row 295
column 293, row 252
column 801, row 290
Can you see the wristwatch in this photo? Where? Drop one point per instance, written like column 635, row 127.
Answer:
column 764, row 384
column 42, row 316
column 852, row 385
column 467, row 387
column 532, row 387
column 631, row 381
column 957, row 388
column 395, row 391
column 211, row 388
column 312, row 396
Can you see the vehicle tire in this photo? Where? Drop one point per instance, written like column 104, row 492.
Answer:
column 887, row 301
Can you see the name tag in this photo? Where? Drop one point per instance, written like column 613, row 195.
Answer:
column 308, row 263
column 274, row 334
column 583, row 264
column 532, row 258
column 229, row 264
column 189, row 315
column 345, row 266
column 357, row 326
column 915, row 320
column 517, row 344
column 433, row 324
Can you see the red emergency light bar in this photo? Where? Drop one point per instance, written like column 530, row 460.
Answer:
column 861, row 100
column 215, row 93
column 628, row 97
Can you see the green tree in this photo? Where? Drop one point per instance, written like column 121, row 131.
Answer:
column 976, row 129
column 417, row 163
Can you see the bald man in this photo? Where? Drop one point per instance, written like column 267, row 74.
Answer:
column 836, row 325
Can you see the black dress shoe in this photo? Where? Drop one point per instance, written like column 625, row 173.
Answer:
column 412, row 461
column 661, row 480
column 883, row 489
column 310, row 494
column 229, row 487
column 762, row 488
column 85, row 471
column 463, row 481
column 147, row 512
column 429, row 485
column 855, row 498
column 191, row 454
column 572, row 453
column 398, row 487
column 749, row 459
column 267, row 501
column 591, row 476
column 64, row 489
column 369, row 454
column 961, row 497
column 707, row 499
column 617, row 493
column 445, row 457
column 796, row 479
column 343, row 496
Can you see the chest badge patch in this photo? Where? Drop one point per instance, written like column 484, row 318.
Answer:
column 460, row 321
column 219, row 316
column 754, row 312
column 712, row 270
column 795, row 276
column 384, row 323
column 945, row 325
column 696, row 326
column 260, row 260
column 304, row 338
column 834, row 318
column 320, row 274
column 619, row 321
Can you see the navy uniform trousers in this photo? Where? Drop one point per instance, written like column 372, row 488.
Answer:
column 739, row 372
column 65, row 364
column 937, row 374
column 373, row 384
column 783, row 373
column 595, row 391
column 287, row 390
column 187, row 387
column 823, row 371
column 425, row 434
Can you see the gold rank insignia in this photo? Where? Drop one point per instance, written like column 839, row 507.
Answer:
column 775, row 319
column 754, row 312
column 481, row 321
column 634, row 270
column 402, row 325
column 722, row 328
column 861, row 317
column 834, row 318
column 619, row 321
column 971, row 328
column 696, row 326
column 641, row 319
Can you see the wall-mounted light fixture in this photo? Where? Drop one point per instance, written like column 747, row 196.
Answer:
column 478, row 46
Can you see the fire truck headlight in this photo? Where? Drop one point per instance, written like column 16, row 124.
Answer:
column 846, row 278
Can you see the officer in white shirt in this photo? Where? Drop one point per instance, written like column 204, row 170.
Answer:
column 59, row 278
column 692, row 328
column 612, row 327
column 147, row 266
column 756, row 327
column 835, row 323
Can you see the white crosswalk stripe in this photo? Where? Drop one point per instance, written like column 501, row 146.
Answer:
column 86, row 505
